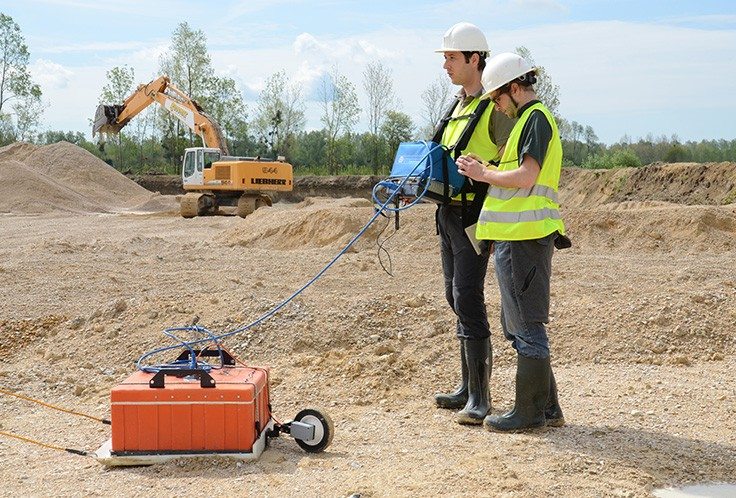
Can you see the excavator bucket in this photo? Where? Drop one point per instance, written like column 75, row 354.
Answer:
column 106, row 119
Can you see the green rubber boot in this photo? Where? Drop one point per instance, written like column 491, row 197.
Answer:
column 456, row 399
column 480, row 359
column 552, row 412
column 532, row 393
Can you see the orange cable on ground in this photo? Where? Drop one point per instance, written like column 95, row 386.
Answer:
column 10, row 393
column 45, row 445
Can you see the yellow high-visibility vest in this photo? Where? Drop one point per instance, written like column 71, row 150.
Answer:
column 525, row 214
column 480, row 141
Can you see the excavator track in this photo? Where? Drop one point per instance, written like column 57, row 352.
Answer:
column 247, row 203
column 196, row 204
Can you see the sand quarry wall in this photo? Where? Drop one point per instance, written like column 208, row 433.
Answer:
column 684, row 206
column 680, row 183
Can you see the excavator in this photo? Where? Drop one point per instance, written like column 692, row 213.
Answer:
column 214, row 181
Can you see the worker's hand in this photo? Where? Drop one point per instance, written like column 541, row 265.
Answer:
column 470, row 167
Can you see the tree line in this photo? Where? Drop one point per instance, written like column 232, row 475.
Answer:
column 154, row 141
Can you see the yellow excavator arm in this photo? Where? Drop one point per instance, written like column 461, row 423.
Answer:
column 112, row 118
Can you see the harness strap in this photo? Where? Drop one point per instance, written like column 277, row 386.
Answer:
column 478, row 188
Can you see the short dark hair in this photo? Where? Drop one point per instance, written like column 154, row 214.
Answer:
column 481, row 58
column 525, row 81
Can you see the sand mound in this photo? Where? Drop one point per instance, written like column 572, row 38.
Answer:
column 158, row 203
column 315, row 222
column 62, row 177
column 24, row 190
column 17, row 151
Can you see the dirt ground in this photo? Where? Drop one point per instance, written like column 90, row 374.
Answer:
column 642, row 330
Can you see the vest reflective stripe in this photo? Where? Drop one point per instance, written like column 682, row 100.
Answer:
column 505, row 194
column 525, row 214
column 480, row 141
column 517, row 217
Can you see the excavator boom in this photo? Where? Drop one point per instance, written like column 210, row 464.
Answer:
column 110, row 119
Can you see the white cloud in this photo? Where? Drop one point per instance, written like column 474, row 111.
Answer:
column 611, row 65
column 306, row 44
column 71, row 107
column 310, row 78
column 148, row 57
column 625, row 77
column 50, row 75
column 619, row 77
column 357, row 49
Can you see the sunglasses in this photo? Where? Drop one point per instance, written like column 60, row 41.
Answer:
column 501, row 91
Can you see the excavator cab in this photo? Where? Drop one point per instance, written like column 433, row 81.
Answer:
column 196, row 160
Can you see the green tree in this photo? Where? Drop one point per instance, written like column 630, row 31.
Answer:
column 73, row 137
column 436, row 99
column 119, row 86
column 7, row 131
column 625, row 158
column 548, row 92
column 225, row 105
column 620, row 158
column 378, row 86
column 397, row 128
column 309, row 152
column 28, row 112
column 188, row 64
column 16, row 85
column 142, row 134
column 54, row 136
column 677, row 153
column 242, row 141
column 340, row 112
column 279, row 115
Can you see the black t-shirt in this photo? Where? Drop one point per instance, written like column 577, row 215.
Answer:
column 535, row 135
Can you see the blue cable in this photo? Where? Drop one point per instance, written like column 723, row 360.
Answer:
column 217, row 338
column 192, row 363
column 397, row 187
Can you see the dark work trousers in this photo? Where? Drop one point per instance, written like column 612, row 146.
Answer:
column 465, row 272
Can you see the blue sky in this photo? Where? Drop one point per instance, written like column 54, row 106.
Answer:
column 625, row 68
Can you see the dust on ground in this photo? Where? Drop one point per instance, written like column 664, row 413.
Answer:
column 642, row 336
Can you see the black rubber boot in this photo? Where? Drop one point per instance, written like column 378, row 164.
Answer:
column 480, row 359
column 532, row 392
column 552, row 412
column 459, row 397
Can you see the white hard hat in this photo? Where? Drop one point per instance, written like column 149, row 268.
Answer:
column 464, row 37
column 502, row 69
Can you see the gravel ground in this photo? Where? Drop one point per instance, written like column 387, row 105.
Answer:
column 642, row 338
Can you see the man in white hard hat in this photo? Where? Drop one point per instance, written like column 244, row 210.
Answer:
column 469, row 128
column 521, row 215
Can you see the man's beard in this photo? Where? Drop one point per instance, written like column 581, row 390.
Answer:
column 512, row 111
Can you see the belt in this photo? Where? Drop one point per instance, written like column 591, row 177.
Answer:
column 456, row 204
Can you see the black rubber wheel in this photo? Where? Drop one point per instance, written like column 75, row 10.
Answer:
column 324, row 429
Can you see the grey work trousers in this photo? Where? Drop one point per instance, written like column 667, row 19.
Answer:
column 523, row 270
